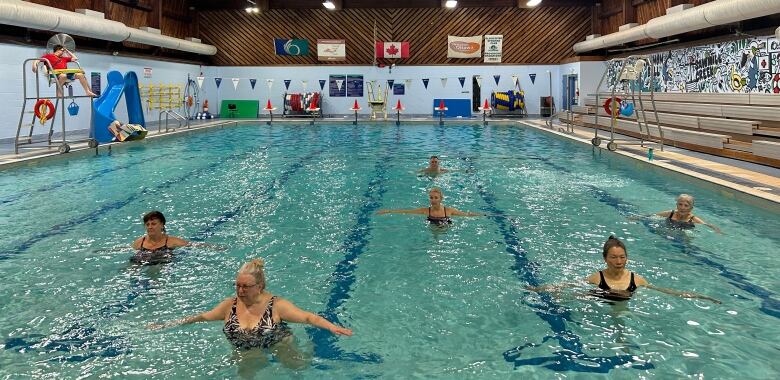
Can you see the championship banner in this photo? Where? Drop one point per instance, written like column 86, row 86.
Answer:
column 464, row 47
column 331, row 50
column 286, row 46
column 392, row 49
column 493, row 48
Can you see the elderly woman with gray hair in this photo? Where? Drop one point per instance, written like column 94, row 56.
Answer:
column 255, row 318
column 682, row 216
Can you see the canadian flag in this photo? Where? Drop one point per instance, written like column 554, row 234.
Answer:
column 392, row 49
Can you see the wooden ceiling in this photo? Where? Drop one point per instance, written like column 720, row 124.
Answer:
column 376, row 4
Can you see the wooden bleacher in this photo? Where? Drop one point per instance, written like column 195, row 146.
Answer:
column 741, row 126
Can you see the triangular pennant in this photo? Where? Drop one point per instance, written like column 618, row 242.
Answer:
column 479, row 81
column 270, row 83
column 425, row 82
column 200, row 81
column 235, row 83
column 390, row 83
column 444, row 82
column 408, row 84
column 514, row 80
column 533, row 78
column 497, row 78
column 252, row 81
column 287, row 83
column 462, row 81
column 322, row 84
column 304, row 83
column 339, row 83
column 218, row 81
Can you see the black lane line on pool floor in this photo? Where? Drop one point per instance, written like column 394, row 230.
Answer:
column 95, row 215
column 548, row 310
column 86, row 337
column 343, row 277
column 56, row 185
column 769, row 305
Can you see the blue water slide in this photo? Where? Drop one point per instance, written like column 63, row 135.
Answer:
column 107, row 102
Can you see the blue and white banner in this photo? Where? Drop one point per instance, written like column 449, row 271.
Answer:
column 497, row 78
column 252, row 82
column 331, row 50
column 287, row 83
column 425, row 82
column 462, row 81
column 322, row 84
column 287, row 46
column 218, row 81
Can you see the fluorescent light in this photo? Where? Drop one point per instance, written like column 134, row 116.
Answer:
column 329, row 5
column 451, row 4
column 252, row 10
column 533, row 3
column 249, row 10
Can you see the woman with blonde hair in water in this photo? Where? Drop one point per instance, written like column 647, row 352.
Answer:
column 256, row 318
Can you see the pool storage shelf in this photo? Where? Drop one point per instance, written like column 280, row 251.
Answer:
column 300, row 104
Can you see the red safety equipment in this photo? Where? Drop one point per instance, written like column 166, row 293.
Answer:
column 313, row 104
column 41, row 107
column 356, row 107
column 398, row 105
column 486, row 106
column 268, row 106
column 608, row 105
column 441, row 104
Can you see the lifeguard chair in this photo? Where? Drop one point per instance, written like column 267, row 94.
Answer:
column 44, row 109
column 377, row 101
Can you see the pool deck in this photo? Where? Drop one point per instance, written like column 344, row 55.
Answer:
column 743, row 177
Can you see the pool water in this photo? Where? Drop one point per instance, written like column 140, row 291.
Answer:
column 423, row 302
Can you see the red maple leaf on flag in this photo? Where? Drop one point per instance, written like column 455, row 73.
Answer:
column 392, row 50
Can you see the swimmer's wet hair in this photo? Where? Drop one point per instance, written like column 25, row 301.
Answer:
column 686, row 197
column 613, row 242
column 434, row 156
column 436, row 190
column 255, row 268
column 154, row 214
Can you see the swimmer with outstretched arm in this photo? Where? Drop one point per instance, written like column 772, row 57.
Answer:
column 682, row 217
column 616, row 283
column 437, row 213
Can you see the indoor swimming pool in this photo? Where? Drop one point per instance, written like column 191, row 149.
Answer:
column 423, row 302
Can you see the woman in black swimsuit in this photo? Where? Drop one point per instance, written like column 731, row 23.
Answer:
column 437, row 213
column 156, row 246
column 255, row 318
column 616, row 283
column 682, row 217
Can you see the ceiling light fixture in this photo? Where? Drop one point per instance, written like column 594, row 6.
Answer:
column 329, row 5
column 533, row 3
column 451, row 4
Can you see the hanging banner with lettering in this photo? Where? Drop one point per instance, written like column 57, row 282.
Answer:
column 479, row 81
column 425, row 82
column 218, row 81
column 398, row 89
column 331, row 50
column 462, row 81
column 443, row 82
column 322, row 84
column 252, row 82
column 514, row 81
column 493, row 48
column 235, row 83
column 270, row 83
column 390, row 83
column 287, row 83
column 533, row 78
column 200, row 81
column 497, row 78
column 355, row 85
column 464, row 47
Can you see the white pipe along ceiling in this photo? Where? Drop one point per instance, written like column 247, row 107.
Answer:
column 714, row 13
column 36, row 16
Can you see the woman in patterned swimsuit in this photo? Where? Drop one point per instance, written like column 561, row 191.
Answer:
column 437, row 213
column 255, row 318
column 156, row 247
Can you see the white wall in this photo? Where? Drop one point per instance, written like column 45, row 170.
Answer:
column 12, row 57
column 417, row 99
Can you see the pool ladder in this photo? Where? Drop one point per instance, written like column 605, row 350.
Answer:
column 168, row 115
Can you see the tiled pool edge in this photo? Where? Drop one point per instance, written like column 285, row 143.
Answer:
column 740, row 189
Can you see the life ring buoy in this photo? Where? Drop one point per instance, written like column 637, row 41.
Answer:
column 44, row 110
column 608, row 105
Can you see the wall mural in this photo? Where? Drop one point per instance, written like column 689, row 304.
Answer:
column 748, row 65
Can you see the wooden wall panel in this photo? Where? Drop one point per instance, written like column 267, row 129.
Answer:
column 540, row 35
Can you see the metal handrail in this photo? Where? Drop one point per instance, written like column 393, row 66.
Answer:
column 176, row 116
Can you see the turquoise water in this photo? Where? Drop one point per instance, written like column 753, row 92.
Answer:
column 423, row 303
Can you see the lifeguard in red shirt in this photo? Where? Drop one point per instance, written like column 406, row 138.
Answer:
column 58, row 59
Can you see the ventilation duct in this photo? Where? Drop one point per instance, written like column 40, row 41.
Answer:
column 35, row 16
column 718, row 12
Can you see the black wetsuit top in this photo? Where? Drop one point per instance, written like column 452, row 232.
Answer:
column 606, row 292
column 159, row 255
column 681, row 224
column 439, row 220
